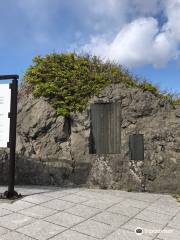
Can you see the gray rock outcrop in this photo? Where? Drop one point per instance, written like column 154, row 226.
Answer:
column 55, row 150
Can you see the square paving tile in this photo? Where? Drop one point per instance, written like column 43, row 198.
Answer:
column 124, row 209
column 64, row 219
column 146, row 197
column 122, row 234
column 93, row 228
column 86, row 195
column 148, row 228
column 115, row 220
column 169, row 234
column 55, row 194
column 15, row 236
column 38, row 212
column 58, row 204
column 74, row 198
column 90, row 194
column 14, row 220
column 72, row 235
column 154, row 217
column 103, row 195
column 17, row 206
column 134, row 203
column 168, row 201
column 156, row 207
column 37, row 198
column 83, row 211
column 41, row 230
column 98, row 203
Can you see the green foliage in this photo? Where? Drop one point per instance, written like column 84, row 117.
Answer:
column 69, row 80
column 176, row 102
column 173, row 99
column 147, row 86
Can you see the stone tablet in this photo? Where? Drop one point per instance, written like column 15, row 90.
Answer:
column 106, row 128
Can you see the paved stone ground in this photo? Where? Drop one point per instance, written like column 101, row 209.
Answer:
column 88, row 214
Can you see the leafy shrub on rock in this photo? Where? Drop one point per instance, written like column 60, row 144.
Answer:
column 69, row 80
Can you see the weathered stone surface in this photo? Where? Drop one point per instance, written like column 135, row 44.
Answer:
column 177, row 112
column 55, row 150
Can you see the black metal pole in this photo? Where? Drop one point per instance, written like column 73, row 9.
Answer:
column 11, row 193
column 12, row 139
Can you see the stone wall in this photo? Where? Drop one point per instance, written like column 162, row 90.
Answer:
column 55, row 150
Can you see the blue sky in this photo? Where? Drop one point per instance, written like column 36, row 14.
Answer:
column 141, row 35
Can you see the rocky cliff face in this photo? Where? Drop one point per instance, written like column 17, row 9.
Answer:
column 55, row 150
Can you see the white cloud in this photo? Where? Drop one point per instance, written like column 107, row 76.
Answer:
column 172, row 11
column 132, row 32
column 143, row 40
